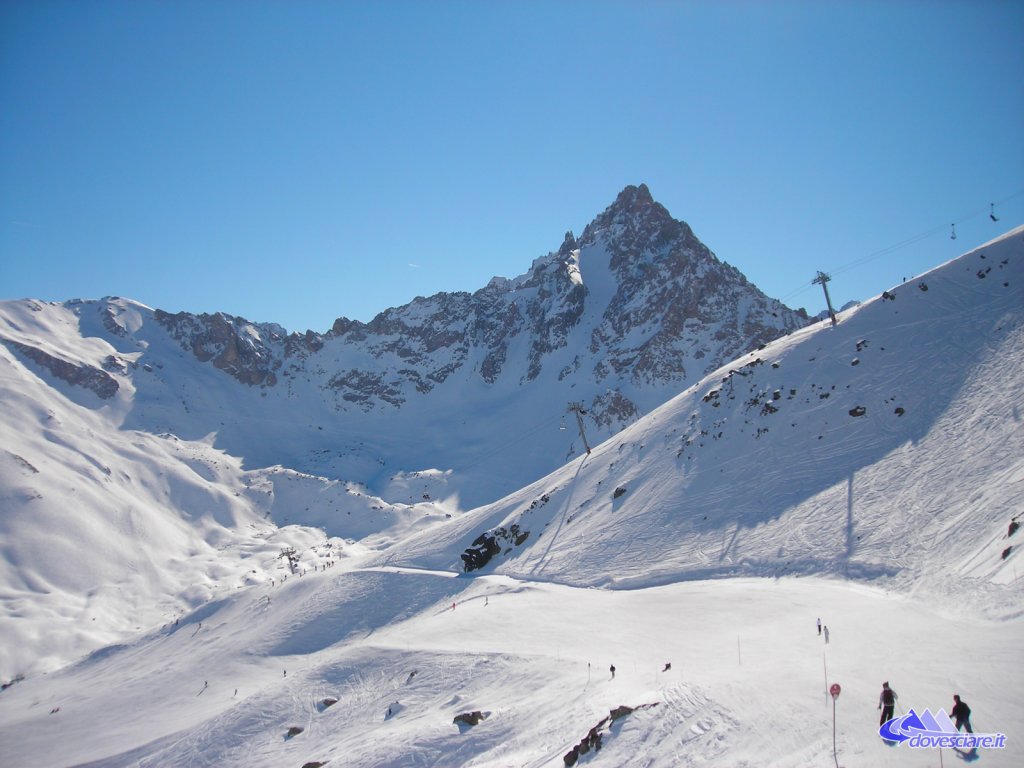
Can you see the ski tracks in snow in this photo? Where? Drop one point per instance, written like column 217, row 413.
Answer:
column 686, row 724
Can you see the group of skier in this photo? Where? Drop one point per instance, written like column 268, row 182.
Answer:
column 961, row 713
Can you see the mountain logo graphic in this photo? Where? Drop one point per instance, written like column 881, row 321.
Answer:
column 925, row 730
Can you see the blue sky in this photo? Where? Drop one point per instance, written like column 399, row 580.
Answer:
column 299, row 161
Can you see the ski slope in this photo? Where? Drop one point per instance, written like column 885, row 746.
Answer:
column 747, row 683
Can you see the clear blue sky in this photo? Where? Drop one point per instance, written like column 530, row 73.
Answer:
column 299, row 161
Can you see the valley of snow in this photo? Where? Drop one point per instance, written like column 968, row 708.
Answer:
column 865, row 474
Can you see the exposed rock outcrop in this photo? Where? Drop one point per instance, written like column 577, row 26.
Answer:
column 470, row 718
column 231, row 344
column 80, row 375
column 487, row 545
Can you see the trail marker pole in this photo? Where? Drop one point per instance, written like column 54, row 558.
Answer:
column 824, row 664
column 834, row 690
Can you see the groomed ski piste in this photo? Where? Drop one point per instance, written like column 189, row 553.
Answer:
column 864, row 474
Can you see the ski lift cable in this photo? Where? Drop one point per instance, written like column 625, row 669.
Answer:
column 917, row 238
column 904, row 243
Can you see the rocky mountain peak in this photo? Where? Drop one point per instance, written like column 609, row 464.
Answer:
column 635, row 225
column 569, row 245
column 634, row 197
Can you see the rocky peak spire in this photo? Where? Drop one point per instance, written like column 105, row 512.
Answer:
column 568, row 245
column 634, row 223
column 634, row 199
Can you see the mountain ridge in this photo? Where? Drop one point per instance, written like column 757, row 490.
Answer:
column 620, row 319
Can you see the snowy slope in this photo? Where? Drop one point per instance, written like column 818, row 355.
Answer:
column 888, row 447
column 746, row 685
column 742, row 517
column 107, row 531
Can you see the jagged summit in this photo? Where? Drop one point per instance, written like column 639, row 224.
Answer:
column 634, row 198
column 569, row 245
column 632, row 203
column 635, row 227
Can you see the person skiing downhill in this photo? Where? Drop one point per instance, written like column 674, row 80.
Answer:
column 886, row 701
column 961, row 713
column 819, row 626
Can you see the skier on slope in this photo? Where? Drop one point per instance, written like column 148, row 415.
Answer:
column 961, row 713
column 886, row 701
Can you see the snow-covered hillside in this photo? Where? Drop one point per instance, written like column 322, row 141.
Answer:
column 888, row 446
column 865, row 474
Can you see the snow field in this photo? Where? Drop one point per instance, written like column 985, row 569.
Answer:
column 746, row 686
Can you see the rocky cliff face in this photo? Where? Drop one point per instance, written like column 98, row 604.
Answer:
column 637, row 303
column 76, row 374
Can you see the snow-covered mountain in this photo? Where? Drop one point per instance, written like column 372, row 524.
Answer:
column 214, row 427
column 620, row 320
column 879, row 461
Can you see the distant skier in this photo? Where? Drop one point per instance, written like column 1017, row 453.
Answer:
column 962, row 714
column 819, row 626
column 886, row 702
column 826, row 635
column 612, row 670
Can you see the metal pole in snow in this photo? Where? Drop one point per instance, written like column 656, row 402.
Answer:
column 834, row 689
column 824, row 666
column 834, row 756
column 739, row 656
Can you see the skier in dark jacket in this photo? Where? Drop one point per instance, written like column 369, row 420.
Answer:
column 962, row 714
column 886, row 701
